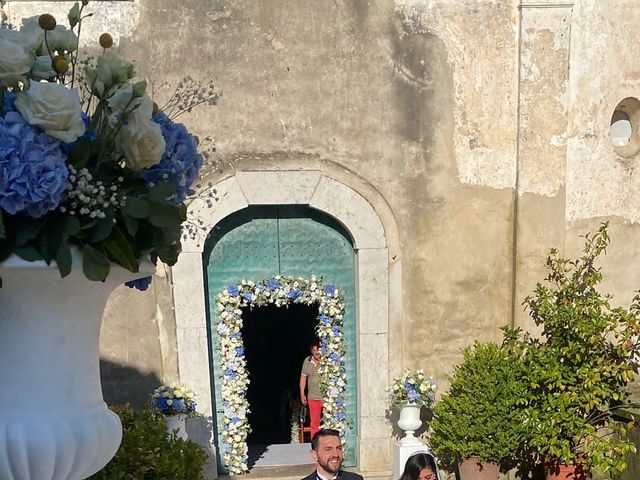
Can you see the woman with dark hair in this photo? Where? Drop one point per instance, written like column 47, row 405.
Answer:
column 420, row 466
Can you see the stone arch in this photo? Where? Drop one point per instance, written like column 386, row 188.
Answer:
column 378, row 270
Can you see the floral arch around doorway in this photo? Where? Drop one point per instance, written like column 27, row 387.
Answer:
column 280, row 291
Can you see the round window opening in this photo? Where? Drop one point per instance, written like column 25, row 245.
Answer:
column 624, row 129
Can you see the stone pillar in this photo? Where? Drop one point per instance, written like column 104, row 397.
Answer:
column 539, row 219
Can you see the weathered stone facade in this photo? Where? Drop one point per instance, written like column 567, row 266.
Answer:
column 478, row 131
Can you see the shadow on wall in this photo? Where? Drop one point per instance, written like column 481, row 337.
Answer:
column 122, row 384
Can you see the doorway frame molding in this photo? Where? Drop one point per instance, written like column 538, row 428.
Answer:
column 374, row 233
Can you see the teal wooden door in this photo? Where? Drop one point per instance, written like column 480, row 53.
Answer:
column 260, row 242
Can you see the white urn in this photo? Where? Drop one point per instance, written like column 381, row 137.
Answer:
column 54, row 423
column 409, row 422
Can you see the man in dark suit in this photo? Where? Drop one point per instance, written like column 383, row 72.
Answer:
column 326, row 448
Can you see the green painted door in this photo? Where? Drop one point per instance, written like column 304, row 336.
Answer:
column 260, row 242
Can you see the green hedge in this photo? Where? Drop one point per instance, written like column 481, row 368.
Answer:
column 148, row 453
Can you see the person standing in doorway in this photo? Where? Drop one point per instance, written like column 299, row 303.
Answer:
column 310, row 381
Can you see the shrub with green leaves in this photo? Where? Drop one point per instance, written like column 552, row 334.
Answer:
column 577, row 370
column 148, row 453
column 479, row 415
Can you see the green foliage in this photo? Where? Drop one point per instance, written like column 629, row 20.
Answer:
column 148, row 453
column 479, row 415
column 578, row 370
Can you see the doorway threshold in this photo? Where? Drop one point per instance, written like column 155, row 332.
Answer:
column 280, row 455
column 289, row 472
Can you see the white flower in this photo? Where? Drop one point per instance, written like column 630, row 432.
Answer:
column 61, row 40
column 141, row 143
column 31, row 35
column 139, row 108
column 54, row 108
column 41, row 69
column 15, row 62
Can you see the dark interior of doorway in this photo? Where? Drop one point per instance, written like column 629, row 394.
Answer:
column 276, row 341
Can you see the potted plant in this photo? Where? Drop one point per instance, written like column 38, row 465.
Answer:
column 578, row 367
column 477, row 424
column 175, row 402
column 409, row 393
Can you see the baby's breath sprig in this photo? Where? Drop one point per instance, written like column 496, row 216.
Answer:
column 90, row 198
column 190, row 93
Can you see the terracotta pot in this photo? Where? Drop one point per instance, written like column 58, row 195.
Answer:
column 472, row 469
column 54, row 424
column 561, row 471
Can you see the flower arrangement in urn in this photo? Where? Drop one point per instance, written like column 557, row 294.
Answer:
column 412, row 387
column 174, row 400
column 87, row 159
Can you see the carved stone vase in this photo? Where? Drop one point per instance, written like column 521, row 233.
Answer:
column 177, row 422
column 409, row 422
column 54, row 423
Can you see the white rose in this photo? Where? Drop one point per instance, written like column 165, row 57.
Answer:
column 139, row 108
column 31, row 35
column 141, row 143
column 41, row 69
column 54, row 108
column 60, row 39
column 15, row 62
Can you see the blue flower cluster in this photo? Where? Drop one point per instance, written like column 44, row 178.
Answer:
column 180, row 161
column 33, row 170
column 140, row 284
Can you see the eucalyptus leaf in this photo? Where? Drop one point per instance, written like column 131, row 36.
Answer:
column 162, row 191
column 119, row 248
column 64, row 260
column 136, row 207
column 95, row 264
column 29, row 253
column 163, row 215
column 101, row 230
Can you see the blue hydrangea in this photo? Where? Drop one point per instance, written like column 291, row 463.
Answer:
column 239, row 351
column 412, row 395
column 335, row 357
column 273, row 284
column 233, row 290
column 178, row 404
column 293, row 294
column 330, row 289
column 140, row 284
column 161, row 403
column 180, row 161
column 324, row 319
column 247, row 296
column 33, row 170
column 336, row 331
column 339, row 403
column 8, row 104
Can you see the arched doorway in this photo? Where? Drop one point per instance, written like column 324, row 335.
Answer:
column 259, row 242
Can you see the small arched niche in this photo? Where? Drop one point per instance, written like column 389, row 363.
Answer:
column 624, row 129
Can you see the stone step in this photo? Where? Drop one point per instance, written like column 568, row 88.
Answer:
column 292, row 472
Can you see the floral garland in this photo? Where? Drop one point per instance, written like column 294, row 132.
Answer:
column 280, row 291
